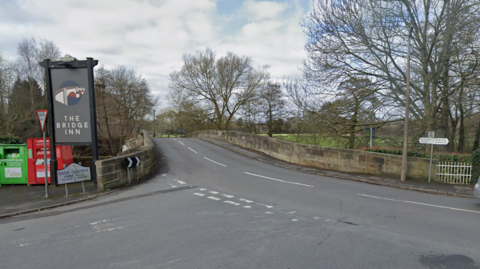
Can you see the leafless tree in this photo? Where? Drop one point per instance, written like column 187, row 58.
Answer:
column 220, row 86
column 271, row 103
column 30, row 52
column 123, row 101
column 370, row 38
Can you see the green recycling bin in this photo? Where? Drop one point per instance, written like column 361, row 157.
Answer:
column 13, row 164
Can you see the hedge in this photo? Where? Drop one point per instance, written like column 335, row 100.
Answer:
column 10, row 140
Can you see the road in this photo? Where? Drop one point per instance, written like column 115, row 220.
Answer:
column 212, row 208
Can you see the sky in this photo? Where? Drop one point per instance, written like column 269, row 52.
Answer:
column 151, row 36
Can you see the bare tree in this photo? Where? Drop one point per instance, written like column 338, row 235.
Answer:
column 271, row 104
column 220, row 86
column 30, row 52
column 369, row 38
column 123, row 101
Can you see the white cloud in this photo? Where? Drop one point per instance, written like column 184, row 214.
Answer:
column 151, row 36
column 261, row 10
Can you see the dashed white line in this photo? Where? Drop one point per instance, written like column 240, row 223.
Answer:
column 214, row 162
column 192, row 150
column 294, row 219
column 417, row 203
column 214, row 192
column 181, row 143
column 231, row 202
column 214, row 198
column 199, row 194
column 268, row 212
column 245, row 200
column 181, row 182
column 228, row 196
column 247, row 206
column 279, row 180
column 202, row 189
column 292, row 212
column 267, row 206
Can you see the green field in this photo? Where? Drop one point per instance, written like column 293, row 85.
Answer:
column 336, row 143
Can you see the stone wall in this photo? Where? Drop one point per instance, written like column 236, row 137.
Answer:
column 344, row 160
column 113, row 172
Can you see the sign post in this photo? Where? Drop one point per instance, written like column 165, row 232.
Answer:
column 42, row 118
column 71, row 106
column 73, row 173
column 432, row 141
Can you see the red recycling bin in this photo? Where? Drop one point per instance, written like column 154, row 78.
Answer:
column 36, row 162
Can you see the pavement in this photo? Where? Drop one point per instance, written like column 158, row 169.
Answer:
column 24, row 199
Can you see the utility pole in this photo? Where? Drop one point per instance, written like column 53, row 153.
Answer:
column 154, row 122
column 407, row 105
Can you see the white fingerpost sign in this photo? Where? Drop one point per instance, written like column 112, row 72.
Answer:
column 432, row 141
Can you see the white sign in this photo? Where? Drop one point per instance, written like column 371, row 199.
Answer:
column 13, row 172
column 73, row 173
column 434, row 141
column 42, row 118
column 431, row 134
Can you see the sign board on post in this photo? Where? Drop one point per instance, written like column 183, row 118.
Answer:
column 42, row 118
column 434, row 141
column 71, row 106
column 73, row 173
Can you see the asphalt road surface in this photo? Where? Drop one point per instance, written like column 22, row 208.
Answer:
column 212, row 208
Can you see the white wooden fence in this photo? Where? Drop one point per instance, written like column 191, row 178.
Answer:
column 454, row 172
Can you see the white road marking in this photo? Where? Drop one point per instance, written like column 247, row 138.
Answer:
column 199, row 194
column 214, row 198
column 417, row 203
column 292, row 212
column 228, row 196
column 192, row 150
column 268, row 212
column 181, row 182
column 316, row 217
column 181, row 143
column 279, row 180
column 164, row 175
column 202, row 189
column 214, row 162
column 214, row 192
column 245, row 200
column 231, row 202
column 174, row 186
column 267, row 206
column 98, row 222
column 175, row 139
column 327, row 220
column 247, row 206
column 294, row 219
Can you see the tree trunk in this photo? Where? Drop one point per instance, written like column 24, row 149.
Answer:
column 461, row 134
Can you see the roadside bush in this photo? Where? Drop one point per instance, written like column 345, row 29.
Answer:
column 475, row 166
column 10, row 140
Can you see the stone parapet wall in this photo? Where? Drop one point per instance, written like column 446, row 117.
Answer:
column 344, row 160
column 113, row 172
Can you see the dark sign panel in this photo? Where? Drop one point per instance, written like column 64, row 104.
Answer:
column 71, row 105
